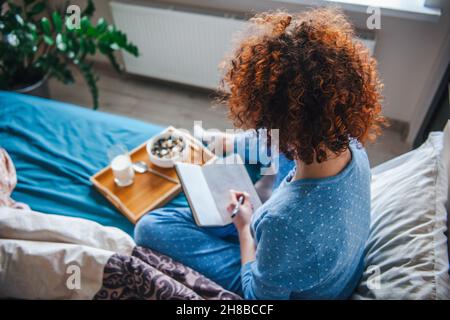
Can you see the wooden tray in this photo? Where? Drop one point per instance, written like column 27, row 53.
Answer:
column 148, row 191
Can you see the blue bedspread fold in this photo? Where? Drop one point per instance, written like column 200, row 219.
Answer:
column 56, row 147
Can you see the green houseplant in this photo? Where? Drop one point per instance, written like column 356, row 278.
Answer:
column 39, row 42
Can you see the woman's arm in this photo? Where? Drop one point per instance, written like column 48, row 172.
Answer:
column 242, row 222
column 257, row 276
column 281, row 261
column 251, row 145
column 247, row 246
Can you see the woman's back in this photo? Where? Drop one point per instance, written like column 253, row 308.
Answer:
column 311, row 234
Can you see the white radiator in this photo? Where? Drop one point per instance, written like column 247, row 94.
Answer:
column 176, row 45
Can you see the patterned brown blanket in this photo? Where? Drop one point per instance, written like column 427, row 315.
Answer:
column 152, row 276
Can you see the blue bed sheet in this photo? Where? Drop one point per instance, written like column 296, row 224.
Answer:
column 56, row 147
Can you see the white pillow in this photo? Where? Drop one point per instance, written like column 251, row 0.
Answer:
column 406, row 254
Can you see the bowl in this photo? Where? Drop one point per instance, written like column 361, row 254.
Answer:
column 167, row 148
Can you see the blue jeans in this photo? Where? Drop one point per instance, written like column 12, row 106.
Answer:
column 212, row 251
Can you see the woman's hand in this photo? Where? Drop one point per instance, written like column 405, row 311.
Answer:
column 242, row 222
column 219, row 143
column 243, row 217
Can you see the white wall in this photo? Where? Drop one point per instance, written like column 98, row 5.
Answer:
column 412, row 57
column 411, row 54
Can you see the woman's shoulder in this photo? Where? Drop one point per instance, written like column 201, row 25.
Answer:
column 359, row 154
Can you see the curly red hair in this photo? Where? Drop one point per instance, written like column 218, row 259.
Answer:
column 306, row 75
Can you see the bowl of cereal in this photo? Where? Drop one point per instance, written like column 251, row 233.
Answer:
column 167, row 148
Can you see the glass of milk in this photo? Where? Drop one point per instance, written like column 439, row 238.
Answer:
column 121, row 165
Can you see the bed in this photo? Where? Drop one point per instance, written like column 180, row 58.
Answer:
column 56, row 147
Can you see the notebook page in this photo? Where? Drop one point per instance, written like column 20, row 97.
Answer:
column 197, row 191
column 223, row 177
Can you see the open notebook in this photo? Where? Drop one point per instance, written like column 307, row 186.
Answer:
column 207, row 189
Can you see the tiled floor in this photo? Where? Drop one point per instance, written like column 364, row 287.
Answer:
column 169, row 104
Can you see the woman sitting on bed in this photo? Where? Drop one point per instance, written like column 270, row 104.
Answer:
column 305, row 75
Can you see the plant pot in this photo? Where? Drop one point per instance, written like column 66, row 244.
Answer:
column 39, row 88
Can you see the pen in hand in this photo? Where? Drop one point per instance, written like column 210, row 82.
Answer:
column 237, row 207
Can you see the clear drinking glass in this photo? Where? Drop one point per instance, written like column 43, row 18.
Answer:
column 121, row 165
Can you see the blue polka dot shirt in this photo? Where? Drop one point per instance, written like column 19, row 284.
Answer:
column 310, row 236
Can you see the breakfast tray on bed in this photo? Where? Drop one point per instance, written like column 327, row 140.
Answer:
column 148, row 191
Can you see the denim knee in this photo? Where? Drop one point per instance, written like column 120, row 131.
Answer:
column 148, row 229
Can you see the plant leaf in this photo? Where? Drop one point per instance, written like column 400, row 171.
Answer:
column 102, row 26
column 90, row 9
column 87, row 28
column 48, row 40
column 131, row 48
column 91, row 47
column 61, row 42
column 91, row 80
column 37, row 8
column 57, row 21
column 114, row 63
column 58, row 69
column 31, row 26
column 46, row 26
